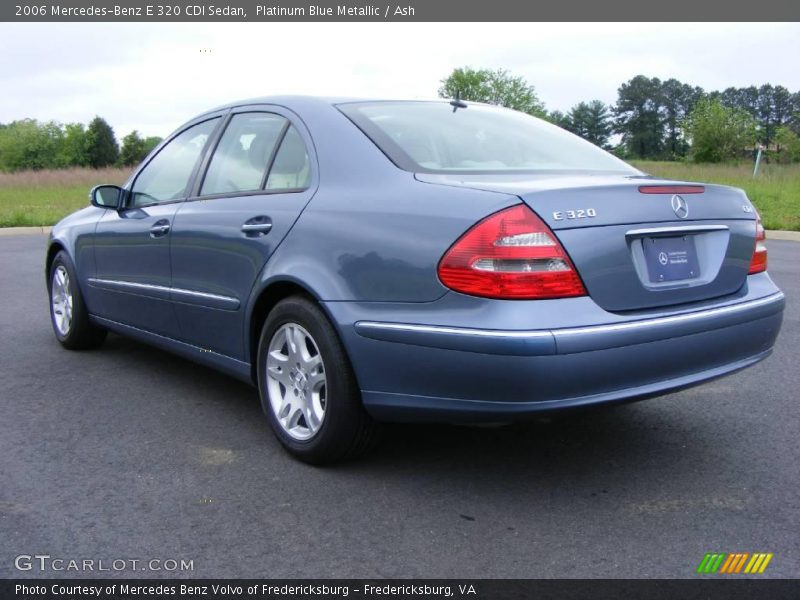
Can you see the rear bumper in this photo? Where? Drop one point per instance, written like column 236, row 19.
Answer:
column 569, row 340
column 432, row 369
column 406, row 408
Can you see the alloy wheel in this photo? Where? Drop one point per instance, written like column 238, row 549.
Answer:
column 61, row 299
column 296, row 381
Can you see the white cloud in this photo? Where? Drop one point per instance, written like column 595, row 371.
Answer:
column 152, row 77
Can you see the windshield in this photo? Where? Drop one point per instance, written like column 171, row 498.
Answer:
column 430, row 137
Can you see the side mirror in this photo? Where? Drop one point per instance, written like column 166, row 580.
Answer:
column 106, row 196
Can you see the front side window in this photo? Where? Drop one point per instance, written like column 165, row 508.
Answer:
column 431, row 137
column 243, row 154
column 166, row 177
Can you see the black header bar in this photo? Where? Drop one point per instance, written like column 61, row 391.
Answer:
column 702, row 587
column 411, row 10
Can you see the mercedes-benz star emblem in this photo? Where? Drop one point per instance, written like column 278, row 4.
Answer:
column 680, row 207
column 663, row 258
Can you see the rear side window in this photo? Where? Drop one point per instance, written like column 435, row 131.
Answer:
column 431, row 137
column 166, row 176
column 243, row 154
column 291, row 169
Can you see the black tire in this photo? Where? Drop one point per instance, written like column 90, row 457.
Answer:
column 346, row 430
column 81, row 333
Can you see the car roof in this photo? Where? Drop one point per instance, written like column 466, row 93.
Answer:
column 293, row 100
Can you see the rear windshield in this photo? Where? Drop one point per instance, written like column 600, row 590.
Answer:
column 430, row 137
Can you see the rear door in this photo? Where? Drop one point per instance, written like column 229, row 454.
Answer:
column 132, row 245
column 251, row 190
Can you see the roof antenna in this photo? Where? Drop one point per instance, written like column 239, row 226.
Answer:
column 457, row 102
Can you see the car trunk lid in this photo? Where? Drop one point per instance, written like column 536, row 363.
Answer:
column 638, row 242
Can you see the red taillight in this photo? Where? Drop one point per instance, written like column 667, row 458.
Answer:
column 758, row 263
column 671, row 189
column 511, row 254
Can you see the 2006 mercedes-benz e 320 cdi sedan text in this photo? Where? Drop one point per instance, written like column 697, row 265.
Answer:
column 365, row 261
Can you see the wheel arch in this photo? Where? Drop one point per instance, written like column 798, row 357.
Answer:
column 263, row 303
column 53, row 248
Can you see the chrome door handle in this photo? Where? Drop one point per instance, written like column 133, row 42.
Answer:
column 160, row 228
column 257, row 226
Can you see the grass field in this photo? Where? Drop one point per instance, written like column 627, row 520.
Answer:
column 43, row 197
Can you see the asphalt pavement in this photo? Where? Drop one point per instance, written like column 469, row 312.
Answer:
column 128, row 453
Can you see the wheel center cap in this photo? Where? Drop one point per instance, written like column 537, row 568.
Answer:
column 299, row 379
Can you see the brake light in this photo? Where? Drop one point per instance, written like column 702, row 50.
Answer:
column 511, row 254
column 758, row 263
column 671, row 189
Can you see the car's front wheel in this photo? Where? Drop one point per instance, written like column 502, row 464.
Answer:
column 68, row 312
column 307, row 386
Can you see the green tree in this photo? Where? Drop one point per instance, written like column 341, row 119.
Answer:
column 101, row 145
column 794, row 122
column 773, row 106
column 556, row 117
column 28, row 144
column 788, row 145
column 591, row 121
column 719, row 132
column 772, row 109
column 639, row 117
column 150, row 143
column 133, row 149
column 73, row 151
column 679, row 99
column 492, row 86
column 745, row 98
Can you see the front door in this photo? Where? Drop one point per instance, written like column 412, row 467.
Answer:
column 132, row 245
column 256, row 184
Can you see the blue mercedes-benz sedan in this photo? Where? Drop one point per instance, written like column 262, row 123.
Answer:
column 367, row 261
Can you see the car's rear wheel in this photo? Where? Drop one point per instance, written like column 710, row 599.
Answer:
column 307, row 386
column 68, row 312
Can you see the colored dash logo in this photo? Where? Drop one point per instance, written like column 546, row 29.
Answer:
column 735, row 562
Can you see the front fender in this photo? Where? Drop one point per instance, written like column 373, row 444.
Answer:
column 75, row 235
